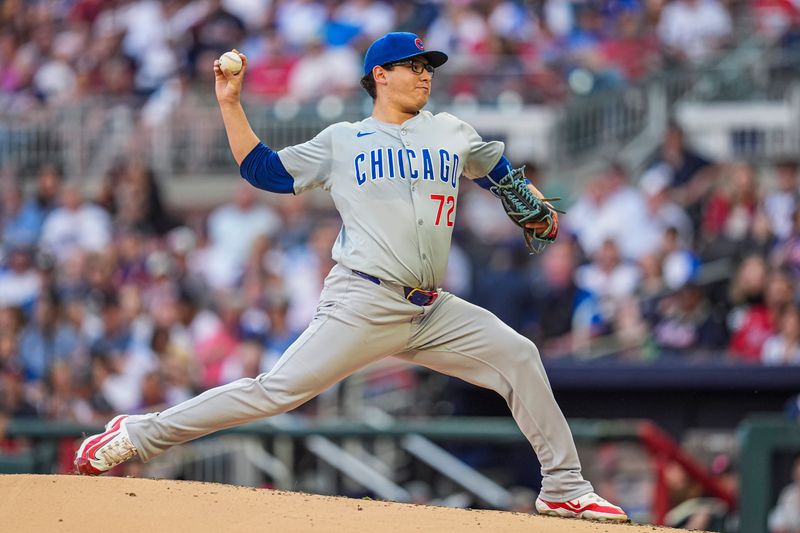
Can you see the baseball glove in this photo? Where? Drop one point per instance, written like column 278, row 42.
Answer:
column 525, row 208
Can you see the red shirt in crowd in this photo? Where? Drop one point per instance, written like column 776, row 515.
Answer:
column 757, row 326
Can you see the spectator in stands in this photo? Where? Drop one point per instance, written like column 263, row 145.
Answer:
column 232, row 230
column 557, row 299
column 130, row 267
column 783, row 348
column 663, row 211
column 585, row 54
column 268, row 74
column 752, row 327
column 685, row 323
column 458, row 276
column 369, row 18
column 651, row 285
column 610, row 279
column 255, row 322
column 693, row 30
column 305, row 269
column 20, row 283
column 13, row 402
column 216, row 350
column 198, row 331
column 99, row 278
column 679, row 263
column 10, row 72
column 781, row 203
column 46, row 339
column 503, row 287
column 55, row 81
column 786, row 253
column 153, row 393
column 689, row 174
column 746, row 294
column 139, row 201
column 76, row 225
column 122, row 373
column 732, row 218
column 280, row 335
column 248, row 359
column 607, row 208
column 785, row 516
column 159, row 353
column 300, row 22
column 9, row 351
column 217, row 31
column 256, row 14
column 630, row 49
column 462, row 32
column 322, row 71
column 631, row 332
column 21, row 223
column 115, row 338
column 482, row 220
column 57, row 404
column 45, row 200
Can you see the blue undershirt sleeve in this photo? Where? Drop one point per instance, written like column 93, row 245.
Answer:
column 502, row 168
column 262, row 168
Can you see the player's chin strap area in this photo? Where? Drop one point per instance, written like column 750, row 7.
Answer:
column 415, row 295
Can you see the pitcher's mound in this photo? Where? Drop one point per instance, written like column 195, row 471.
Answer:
column 72, row 503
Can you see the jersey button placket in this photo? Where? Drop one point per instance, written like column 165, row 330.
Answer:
column 415, row 202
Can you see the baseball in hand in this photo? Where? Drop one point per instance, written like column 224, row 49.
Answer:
column 231, row 62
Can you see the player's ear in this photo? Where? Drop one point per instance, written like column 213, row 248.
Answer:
column 379, row 73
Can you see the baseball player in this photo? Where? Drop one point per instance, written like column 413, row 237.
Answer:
column 394, row 179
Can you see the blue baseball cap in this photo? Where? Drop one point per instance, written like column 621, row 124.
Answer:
column 397, row 46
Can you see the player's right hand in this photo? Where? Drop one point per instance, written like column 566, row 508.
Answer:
column 227, row 86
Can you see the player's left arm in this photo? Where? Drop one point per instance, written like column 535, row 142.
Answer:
column 500, row 170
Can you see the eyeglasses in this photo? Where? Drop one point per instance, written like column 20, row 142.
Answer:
column 417, row 67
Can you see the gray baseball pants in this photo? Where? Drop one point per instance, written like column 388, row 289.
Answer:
column 357, row 323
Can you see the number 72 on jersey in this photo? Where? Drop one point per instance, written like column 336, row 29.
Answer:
column 443, row 200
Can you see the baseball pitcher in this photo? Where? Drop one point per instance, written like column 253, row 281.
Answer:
column 394, row 179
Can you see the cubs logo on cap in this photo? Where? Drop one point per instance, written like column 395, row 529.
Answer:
column 397, row 46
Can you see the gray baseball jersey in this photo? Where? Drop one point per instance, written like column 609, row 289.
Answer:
column 395, row 187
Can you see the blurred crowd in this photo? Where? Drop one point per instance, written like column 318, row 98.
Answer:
column 53, row 52
column 691, row 258
column 112, row 302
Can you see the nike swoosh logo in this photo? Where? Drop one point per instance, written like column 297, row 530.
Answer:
column 572, row 506
column 363, row 133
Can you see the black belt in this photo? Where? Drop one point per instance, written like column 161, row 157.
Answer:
column 414, row 295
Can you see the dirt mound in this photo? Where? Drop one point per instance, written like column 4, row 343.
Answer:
column 72, row 503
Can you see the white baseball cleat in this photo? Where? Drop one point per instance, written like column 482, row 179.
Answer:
column 589, row 506
column 102, row 452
